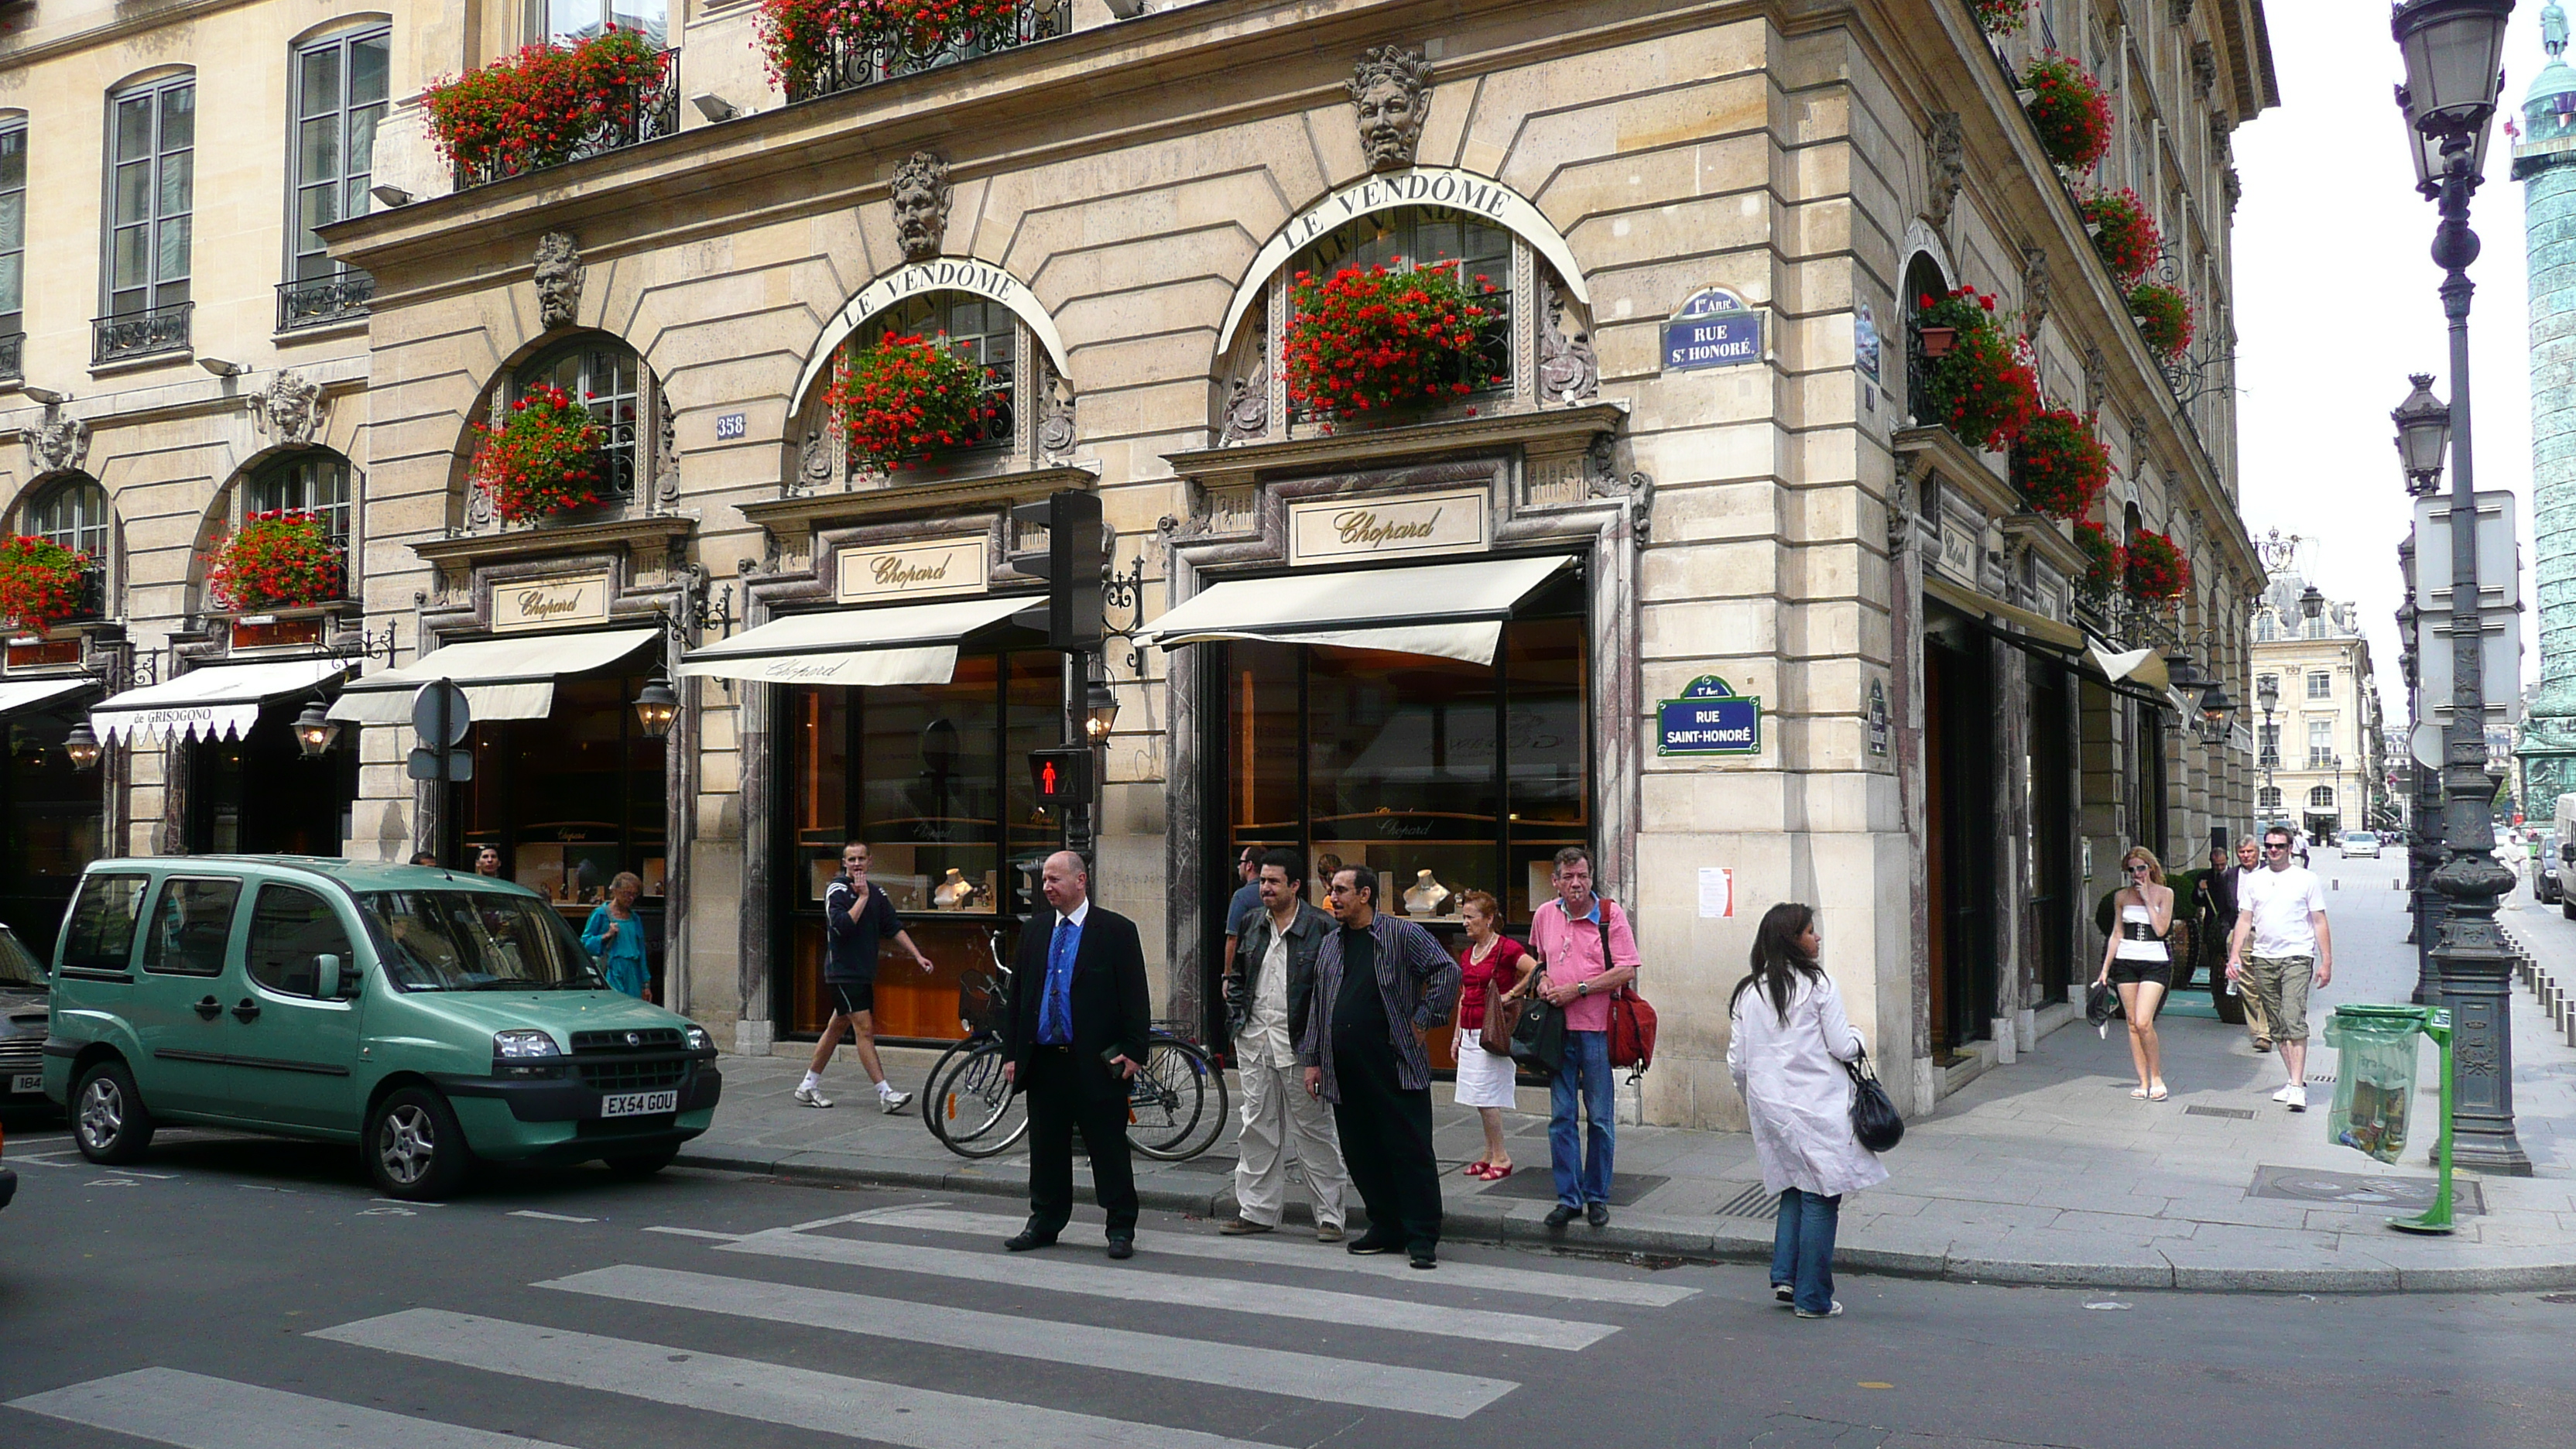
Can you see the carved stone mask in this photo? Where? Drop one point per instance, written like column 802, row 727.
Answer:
column 558, row 278
column 919, row 194
column 1390, row 99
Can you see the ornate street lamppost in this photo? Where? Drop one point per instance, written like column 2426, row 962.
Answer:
column 2423, row 431
column 2267, row 693
column 2454, row 52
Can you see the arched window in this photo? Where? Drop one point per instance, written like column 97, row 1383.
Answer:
column 315, row 481
column 2321, row 798
column 605, row 376
column 1416, row 236
column 1923, row 279
column 72, row 513
column 981, row 330
column 2268, row 799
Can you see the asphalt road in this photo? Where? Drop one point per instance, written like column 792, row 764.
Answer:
column 230, row 1293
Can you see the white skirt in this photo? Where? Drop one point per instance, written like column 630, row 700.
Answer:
column 1484, row 1079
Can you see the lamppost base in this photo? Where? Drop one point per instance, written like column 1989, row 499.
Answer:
column 2485, row 1153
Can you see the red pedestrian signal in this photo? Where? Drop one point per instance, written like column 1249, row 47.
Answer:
column 1061, row 776
column 1046, row 779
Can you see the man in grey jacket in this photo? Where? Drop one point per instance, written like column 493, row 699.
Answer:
column 1380, row 982
column 1266, row 994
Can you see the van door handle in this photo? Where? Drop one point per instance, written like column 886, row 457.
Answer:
column 247, row 1012
column 210, row 1008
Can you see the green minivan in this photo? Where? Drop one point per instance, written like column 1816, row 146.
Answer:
column 430, row 1017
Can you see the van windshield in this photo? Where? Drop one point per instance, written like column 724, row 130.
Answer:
column 475, row 941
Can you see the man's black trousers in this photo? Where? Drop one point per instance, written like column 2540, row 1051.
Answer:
column 1057, row 1104
column 1386, row 1145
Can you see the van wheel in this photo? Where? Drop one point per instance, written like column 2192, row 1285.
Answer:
column 108, row 1120
column 415, row 1149
column 641, row 1164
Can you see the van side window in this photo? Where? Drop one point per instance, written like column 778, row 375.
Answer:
column 100, row 935
column 289, row 927
column 191, row 923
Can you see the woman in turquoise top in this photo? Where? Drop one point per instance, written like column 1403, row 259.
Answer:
column 616, row 936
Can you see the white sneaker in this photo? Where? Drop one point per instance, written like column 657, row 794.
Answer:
column 2287, row 1088
column 2298, row 1098
column 812, row 1097
column 1834, row 1312
column 893, row 1101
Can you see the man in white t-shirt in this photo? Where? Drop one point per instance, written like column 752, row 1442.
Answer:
column 2282, row 909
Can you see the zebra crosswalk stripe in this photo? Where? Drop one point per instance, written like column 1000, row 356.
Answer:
column 194, row 1411
column 1225, row 1294
column 1452, row 1274
column 1227, row 1365
column 745, row 1388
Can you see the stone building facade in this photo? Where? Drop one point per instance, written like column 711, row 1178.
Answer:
column 2324, row 756
column 1446, row 646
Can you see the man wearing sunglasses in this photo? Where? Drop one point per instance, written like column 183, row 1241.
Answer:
column 2282, row 910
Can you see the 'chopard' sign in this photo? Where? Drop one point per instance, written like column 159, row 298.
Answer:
column 550, row 603
column 1420, row 523
column 923, row 570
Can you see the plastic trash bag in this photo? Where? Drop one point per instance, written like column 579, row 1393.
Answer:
column 2374, row 1080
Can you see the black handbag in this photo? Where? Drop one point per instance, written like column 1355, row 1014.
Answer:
column 1538, row 1038
column 1874, row 1119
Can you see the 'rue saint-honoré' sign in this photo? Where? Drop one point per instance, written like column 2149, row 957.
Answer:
column 549, row 603
column 929, row 569
column 1714, row 328
column 1709, row 719
column 1418, row 523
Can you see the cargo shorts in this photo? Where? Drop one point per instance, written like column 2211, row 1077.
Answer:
column 2280, row 986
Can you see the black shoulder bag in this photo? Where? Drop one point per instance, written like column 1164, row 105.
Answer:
column 1874, row 1119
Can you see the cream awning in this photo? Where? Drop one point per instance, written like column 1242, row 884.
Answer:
column 217, row 702
column 901, row 644
column 1447, row 611
column 18, row 694
column 2032, row 622
column 506, row 678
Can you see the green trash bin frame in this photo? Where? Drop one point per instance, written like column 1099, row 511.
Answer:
column 2434, row 1022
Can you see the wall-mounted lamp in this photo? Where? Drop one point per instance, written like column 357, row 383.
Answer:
column 221, row 368
column 388, row 194
column 82, row 747
column 656, row 707
column 45, row 395
column 712, row 106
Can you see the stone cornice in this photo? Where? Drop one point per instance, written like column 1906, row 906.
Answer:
column 806, row 512
column 1217, row 468
column 660, row 530
column 1964, row 468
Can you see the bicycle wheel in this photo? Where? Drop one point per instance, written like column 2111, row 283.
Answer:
column 1168, row 1116
column 967, row 1105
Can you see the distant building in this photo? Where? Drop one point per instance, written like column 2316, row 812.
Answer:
column 2322, row 755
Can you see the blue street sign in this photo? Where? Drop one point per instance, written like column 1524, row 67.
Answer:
column 1714, row 328
column 1709, row 719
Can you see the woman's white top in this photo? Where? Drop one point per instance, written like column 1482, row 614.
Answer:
column 2133, row 950
column 1797, row 1093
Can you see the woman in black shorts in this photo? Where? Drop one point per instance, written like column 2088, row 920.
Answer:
column 2138, row 963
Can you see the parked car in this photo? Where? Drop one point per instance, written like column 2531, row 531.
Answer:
column 22, row 1023
column 2360, row 844
column 430, row 1018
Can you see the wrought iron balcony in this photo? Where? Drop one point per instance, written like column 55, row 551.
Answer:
column 2321, row 760
column 323, row 300
column 13, row 348
column 139, row 334
column 645, row 113
column 849, row 64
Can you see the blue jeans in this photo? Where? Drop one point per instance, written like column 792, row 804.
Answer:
column 1582, row 1163
column 1802, row 1250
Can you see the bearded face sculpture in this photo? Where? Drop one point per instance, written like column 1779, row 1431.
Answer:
column 1390, row 99
column 920, row 199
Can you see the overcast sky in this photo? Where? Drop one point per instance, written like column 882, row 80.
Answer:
column 2336, row 304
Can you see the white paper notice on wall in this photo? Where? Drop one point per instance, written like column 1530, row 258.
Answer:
column 1716, row 893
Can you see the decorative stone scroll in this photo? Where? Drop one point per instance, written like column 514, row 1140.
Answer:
column 1568, row 370
column 1056, row 434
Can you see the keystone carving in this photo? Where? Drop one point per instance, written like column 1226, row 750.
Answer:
column 919, row 194
column 290, row 410
column 1568, row 370
column 2179, row 11
column 559, row 273
column 2231, row 186
column 2097, row 373
column 2204, row 68
column 1390, row 99
column 2034, row 289
column 1948, row 165
column 2221, row 126
column 58, row 445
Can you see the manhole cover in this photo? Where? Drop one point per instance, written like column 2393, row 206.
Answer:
column 1754, row 1202
column 2359, row 1189
column 2240, row 1114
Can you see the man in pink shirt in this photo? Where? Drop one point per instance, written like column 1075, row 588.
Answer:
column 1589, row 952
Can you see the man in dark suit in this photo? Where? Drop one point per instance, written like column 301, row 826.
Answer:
column 1078, row 1025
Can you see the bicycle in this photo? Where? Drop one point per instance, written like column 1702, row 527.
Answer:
column 971, row 1109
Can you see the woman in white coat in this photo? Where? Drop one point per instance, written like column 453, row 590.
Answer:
column 1790, row 1041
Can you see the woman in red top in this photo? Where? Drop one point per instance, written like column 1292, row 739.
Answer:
column 1488, row 964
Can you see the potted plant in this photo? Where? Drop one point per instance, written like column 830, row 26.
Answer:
column 1981, row 388
column 2123, row 233
column 276, row 559
column 41, row 581
column 2157, row 571
column 2163, row 318
column 2106, row 564
column 1383, row 339
column 2058, row 465
column 804, row 41
column 907, row 398
column 1999, row 18
column 2069, row 109
column 536, row 108
column 543, row 458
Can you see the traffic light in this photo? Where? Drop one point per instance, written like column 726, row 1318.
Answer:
column 1061, row 776
column 1072, row 563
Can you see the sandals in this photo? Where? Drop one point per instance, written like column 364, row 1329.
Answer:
column 1487, row 1171
column 1474, row 1169
column 2138, row 1092
column 2157, row 1093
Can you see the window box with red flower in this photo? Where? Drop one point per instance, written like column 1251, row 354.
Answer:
column 2106, row 564
column 280, row 559
column 817, row 47
column 2069, row 109
column 2058, row 465
column 908, row 399
column 2163, row 318
column 2157, row 571
column 543, row 458
column 1999, row 18
column 1373, row 343
column 551, row 103
column 42, row 583
column 1980, row 386
column 2123, row 233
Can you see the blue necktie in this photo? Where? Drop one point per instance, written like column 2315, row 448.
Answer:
column 1055, row 1020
